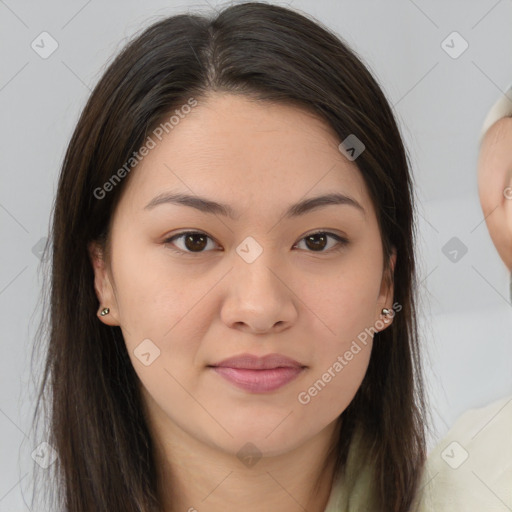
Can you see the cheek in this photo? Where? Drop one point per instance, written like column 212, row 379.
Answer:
column 155, row 301
column 330, row 388
column 346, row 302
column 343, row 324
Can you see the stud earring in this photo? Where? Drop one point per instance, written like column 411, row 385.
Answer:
column 105, row 311
column 385, row 311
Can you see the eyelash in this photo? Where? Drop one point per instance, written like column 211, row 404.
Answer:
column 342, row 242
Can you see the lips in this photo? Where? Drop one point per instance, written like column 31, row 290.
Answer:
column 259, row 374
column 250, row 362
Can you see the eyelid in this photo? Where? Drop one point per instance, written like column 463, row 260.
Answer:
column 342, row 240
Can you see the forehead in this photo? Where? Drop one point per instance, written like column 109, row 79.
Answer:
column 247, row 152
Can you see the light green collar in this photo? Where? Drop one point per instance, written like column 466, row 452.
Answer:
column 336, row 498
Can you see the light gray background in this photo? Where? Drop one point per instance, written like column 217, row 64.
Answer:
column 439, row 101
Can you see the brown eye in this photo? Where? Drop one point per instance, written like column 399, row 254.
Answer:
column 196, row 242
column 192, row 241
column 316, row 242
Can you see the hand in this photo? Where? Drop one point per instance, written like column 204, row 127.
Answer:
column 495, row 185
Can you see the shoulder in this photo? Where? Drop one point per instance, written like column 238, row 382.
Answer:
column 471, row 468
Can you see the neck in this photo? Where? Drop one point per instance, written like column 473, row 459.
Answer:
column 195, row 476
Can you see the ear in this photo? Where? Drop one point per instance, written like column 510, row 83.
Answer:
column 385, row 300
column 103, row 285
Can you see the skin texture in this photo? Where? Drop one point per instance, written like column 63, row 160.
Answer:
column 200, row 308
column 495, row 186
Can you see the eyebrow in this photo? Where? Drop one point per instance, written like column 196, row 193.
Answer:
column 212, row 207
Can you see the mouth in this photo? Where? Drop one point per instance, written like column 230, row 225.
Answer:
column 258, row 381
column 259, row 374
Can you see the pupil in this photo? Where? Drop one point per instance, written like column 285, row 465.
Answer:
column 316, row 245
column 192, row 246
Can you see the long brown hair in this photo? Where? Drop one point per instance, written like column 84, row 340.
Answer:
column 95, row 416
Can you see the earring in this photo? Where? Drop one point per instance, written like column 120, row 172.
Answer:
column 105, row 311
column 385, row 311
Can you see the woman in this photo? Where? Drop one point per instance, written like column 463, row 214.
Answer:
column 232, row 320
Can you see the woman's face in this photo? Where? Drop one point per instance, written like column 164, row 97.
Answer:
column 254, row 282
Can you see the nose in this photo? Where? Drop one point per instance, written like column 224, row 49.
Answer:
column 260, row 297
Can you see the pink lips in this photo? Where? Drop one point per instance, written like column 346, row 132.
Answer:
column 259, row 374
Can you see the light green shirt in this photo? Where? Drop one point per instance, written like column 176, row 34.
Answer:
column 470, row 470
column 341, row 501
column 352, row 495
